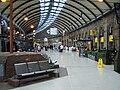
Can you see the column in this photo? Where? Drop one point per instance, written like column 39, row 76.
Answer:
column 0, row 39
column 98, row 44
column 117, row 58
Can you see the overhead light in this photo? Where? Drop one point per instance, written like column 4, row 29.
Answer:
column 100, row 0
column 17, row 32
column 8, row 28
column 26, row 18
column 3, row 0
column 81, row 16
column 33, row 31
column 32, row 26
column 22, row 35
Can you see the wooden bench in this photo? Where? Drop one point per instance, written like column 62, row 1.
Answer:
column 30, row 71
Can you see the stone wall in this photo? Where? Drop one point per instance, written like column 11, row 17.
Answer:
column 106, row 23
column 0, row 39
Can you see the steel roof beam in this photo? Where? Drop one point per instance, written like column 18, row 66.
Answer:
column 76, row 1
column 37, row 19
column 96, row 6
column 35, row 15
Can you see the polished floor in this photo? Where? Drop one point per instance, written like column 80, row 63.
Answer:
column 83, row 74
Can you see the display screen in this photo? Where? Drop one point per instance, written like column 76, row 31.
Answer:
column 53, row 31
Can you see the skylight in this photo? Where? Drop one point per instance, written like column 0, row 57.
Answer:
column 49, row 12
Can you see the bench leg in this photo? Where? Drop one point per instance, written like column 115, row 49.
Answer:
column 14, row 82
column 54, row 74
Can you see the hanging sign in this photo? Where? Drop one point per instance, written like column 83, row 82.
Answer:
column 96, row 40
column 92, row 32
column 110, row 38
column 102, row 39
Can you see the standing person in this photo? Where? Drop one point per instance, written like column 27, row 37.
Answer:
column 61, row 48
column 85, row 52
column 46, row 48
column 39, row 48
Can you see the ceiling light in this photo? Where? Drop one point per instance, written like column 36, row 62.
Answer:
column 34, row 31
column 22, row 35
column 26, row 18
column 32, row 26
column 8, row 28
column 17, row 32
column 81, row 16
column 100, row 0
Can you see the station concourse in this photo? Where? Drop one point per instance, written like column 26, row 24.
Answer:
column 59, row 44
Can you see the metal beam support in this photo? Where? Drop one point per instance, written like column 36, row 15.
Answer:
column 11, row 26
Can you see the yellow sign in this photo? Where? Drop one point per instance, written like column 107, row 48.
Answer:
column 102, row 39
column 92, row 32
column 96, row 40
column 100, row 63
column 110, row 38
column 35, row 43
column 3, row 0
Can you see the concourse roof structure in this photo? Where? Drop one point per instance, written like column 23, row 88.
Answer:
column 65, row 15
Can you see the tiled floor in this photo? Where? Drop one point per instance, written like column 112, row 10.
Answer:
column 83, row 74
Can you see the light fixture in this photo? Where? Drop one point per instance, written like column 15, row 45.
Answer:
column 80, row 16
column 32, row 26
column 33, row 31
column 26, row 18
column 17, row 32
column 22, row 35
column 8, row 28
column 100, row 0
column 3, row 0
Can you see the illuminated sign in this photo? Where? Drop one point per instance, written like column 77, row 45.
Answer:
column 102, row 39
column 92, row 32
column 96, row 40
column 110, row 38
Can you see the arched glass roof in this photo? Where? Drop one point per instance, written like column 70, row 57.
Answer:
column 54, row 8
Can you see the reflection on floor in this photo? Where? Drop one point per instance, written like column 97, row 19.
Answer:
column 83, row 74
